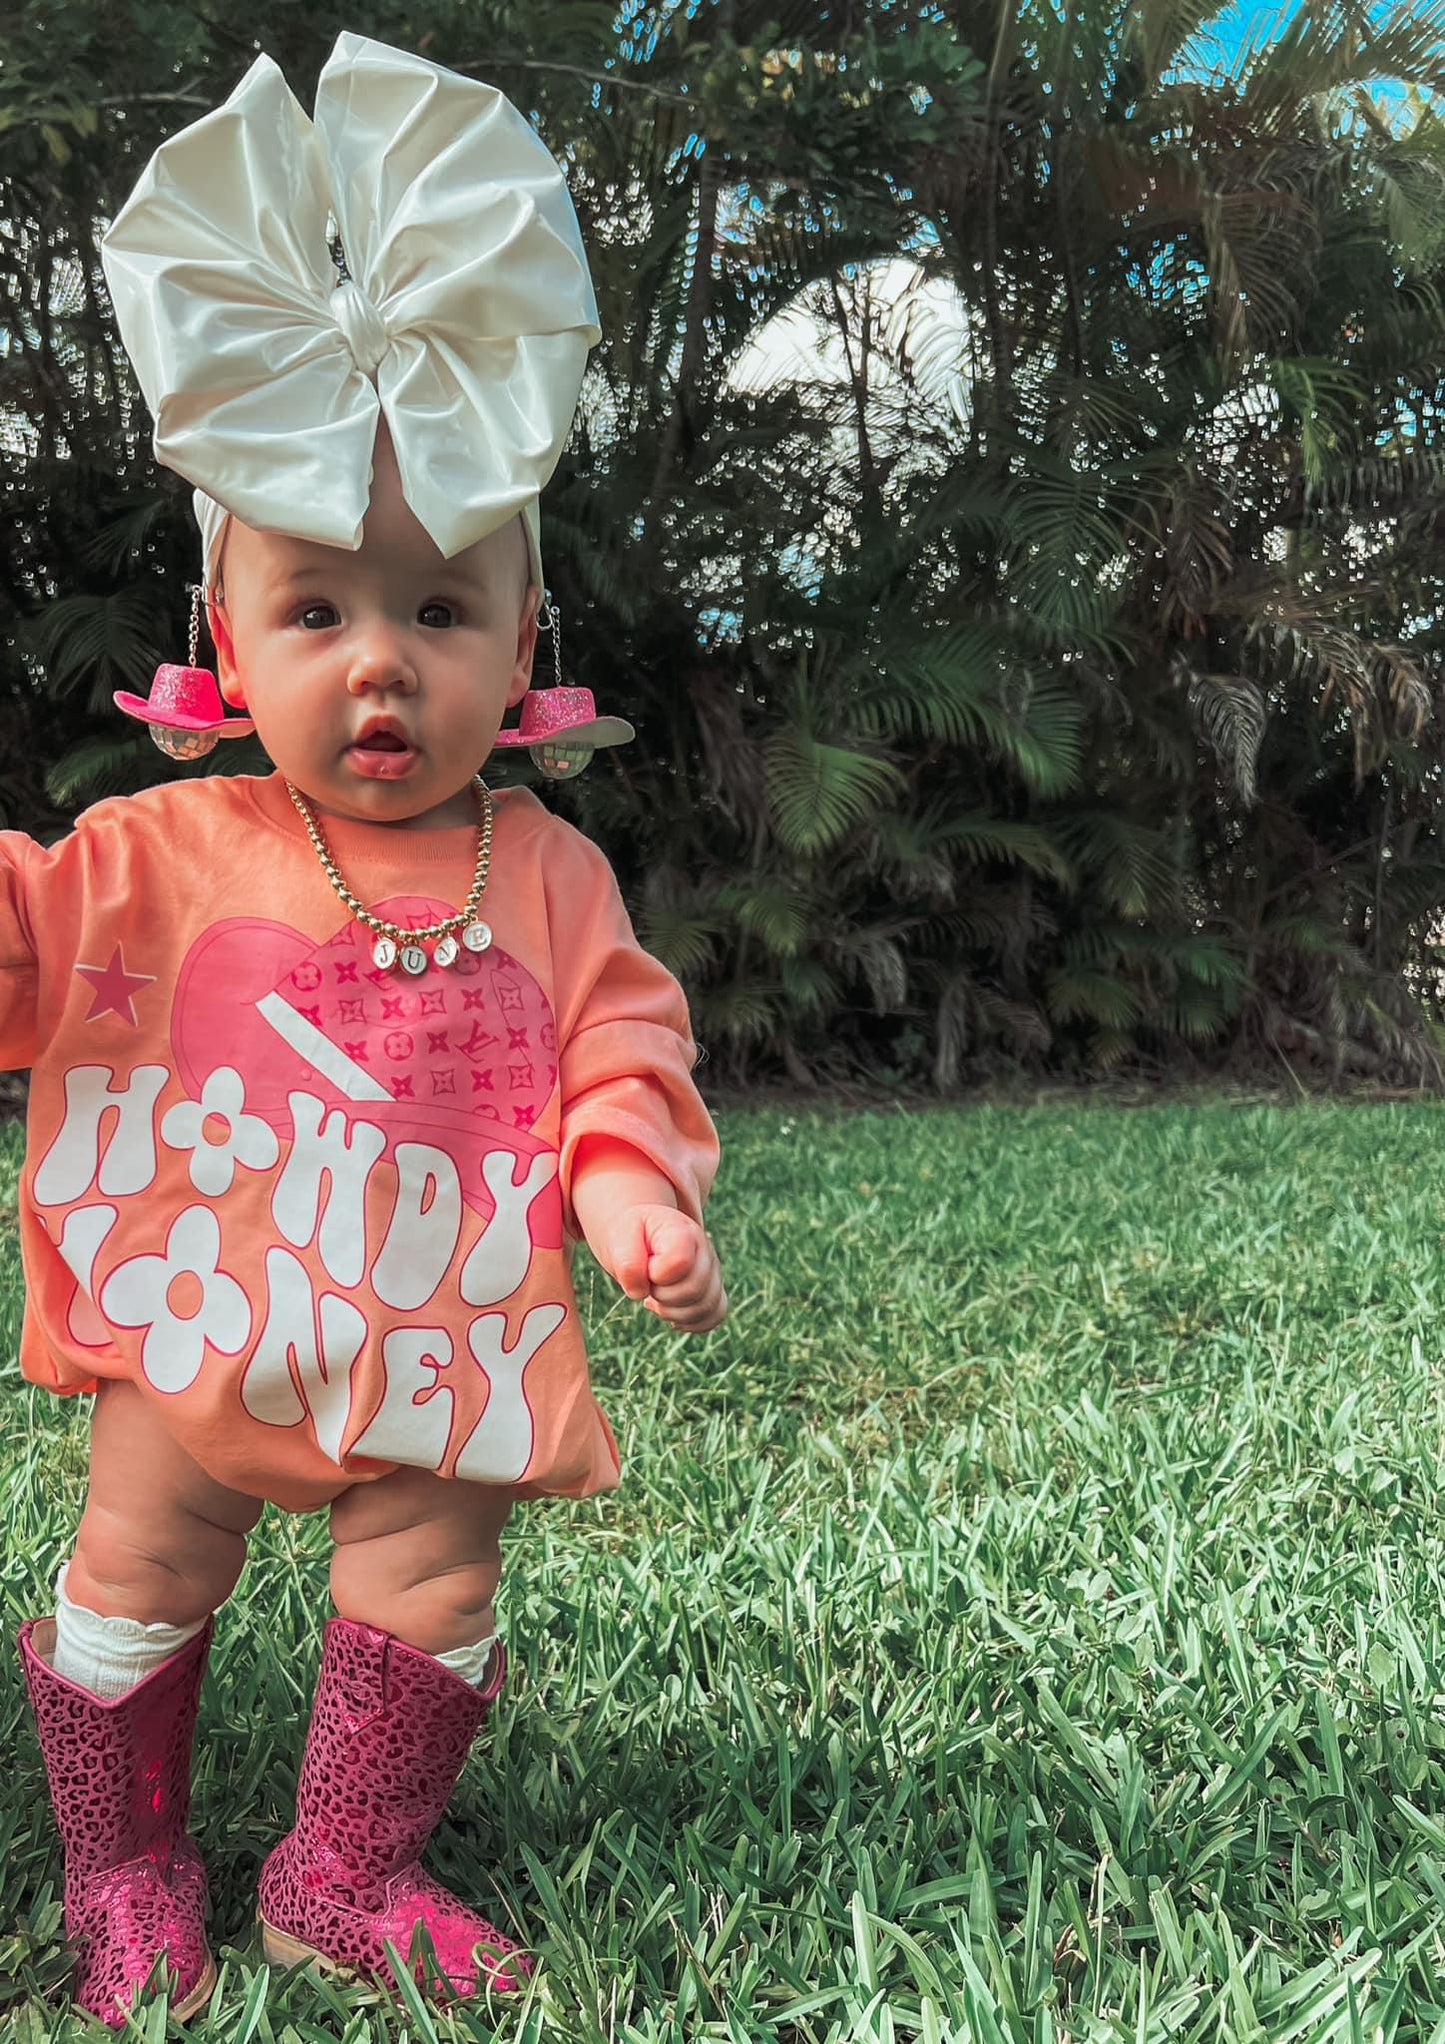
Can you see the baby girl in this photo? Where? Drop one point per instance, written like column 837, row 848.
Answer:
column 332, row 1067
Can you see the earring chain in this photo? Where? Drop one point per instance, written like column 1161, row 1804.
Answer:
column 552, row 624
column 196, row 594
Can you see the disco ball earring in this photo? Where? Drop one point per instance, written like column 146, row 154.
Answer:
column 184, row 710
column 560, row 726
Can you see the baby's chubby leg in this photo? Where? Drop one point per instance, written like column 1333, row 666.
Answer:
column 160, row 1540
column 419, row 1556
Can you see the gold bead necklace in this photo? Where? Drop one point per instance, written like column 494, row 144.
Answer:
column 395, row 945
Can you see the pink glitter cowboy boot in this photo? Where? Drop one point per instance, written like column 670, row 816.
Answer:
column 390, row 1732
column 120, row 1784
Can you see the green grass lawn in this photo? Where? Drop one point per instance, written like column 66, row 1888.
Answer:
column 1023, row 1620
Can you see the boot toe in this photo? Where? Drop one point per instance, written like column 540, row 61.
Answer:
column 471, row 1953
column 301, row 1917
column 133, row 1916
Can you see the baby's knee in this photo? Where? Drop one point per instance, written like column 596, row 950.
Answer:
column 436, row 1612
column 420, row 1557
column 178, row 1572
column 161, row 1539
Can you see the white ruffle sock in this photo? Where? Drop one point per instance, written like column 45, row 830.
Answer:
column 473, row 1664
column 109, row 1656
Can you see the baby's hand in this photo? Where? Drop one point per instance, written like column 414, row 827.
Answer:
column 665, row 1258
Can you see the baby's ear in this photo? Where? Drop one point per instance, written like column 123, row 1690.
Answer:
column 526, row 646
column 226, row 672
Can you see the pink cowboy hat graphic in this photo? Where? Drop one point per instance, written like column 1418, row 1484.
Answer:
column 184, row 699
column 565, row 713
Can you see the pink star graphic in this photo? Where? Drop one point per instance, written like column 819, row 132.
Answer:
column 115, row 988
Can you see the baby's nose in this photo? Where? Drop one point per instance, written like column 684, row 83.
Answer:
column 380, row 659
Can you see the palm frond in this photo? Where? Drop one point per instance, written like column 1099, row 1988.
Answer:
column 1230, row 711
column 1077, row 995
column 818, row 792
column 106, row 641
column 782, row 917
column 1134, row 866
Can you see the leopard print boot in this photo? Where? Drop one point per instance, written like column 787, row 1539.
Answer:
column 120, row 1785
column 390, row 1732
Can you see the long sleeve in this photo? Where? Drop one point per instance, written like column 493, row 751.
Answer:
column 625, row 1046
column 19, row 966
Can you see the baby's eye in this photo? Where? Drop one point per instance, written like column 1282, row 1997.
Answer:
column 437, row 616
column 317, row 617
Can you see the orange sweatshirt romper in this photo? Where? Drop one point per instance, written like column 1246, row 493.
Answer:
column 319, row 1213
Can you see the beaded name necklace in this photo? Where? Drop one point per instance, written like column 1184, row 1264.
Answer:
column 395, row 945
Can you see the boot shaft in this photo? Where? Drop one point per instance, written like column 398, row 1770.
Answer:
column 390, row 1733
column 119, row 1772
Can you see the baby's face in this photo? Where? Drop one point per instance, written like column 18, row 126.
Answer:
column 378, row 679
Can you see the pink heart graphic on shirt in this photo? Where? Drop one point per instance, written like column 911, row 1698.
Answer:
column 464, row 1058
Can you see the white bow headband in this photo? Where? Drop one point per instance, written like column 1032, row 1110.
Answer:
column 466, row 318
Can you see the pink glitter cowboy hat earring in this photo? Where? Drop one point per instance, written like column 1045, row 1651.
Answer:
column 184, row 708
column 560, row 726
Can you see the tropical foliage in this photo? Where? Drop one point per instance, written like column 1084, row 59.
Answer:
column 1040, row 664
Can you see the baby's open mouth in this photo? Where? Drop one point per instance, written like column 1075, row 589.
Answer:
column 382, row 754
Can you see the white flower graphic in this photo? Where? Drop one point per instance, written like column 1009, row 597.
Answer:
column 142, row 1292
column 247, row 1140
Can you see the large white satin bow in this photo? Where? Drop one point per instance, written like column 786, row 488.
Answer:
column 466, row 318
